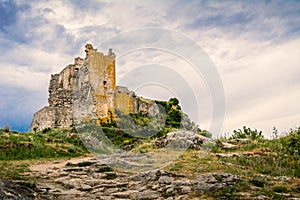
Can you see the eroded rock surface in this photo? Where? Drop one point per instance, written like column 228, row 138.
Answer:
column 14, row 191
column 89, row 179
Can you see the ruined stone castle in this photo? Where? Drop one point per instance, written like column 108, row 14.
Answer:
column 86, row 91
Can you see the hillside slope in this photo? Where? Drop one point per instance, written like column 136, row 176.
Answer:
column 244, row 166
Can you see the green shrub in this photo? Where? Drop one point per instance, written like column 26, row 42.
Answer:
column 228, row 192
column 258, row 183
column 280, row 189
column 291, row 143
column 287, row 148
column 217, row 147
column 205, row 133
column 246, row 133
column 208, row 145
column 173, row 112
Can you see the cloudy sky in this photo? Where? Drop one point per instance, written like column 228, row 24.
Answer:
column 254, row 45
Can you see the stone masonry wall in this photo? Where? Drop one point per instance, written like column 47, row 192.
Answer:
column 125, row 100
column 51, row 117
column 94, row 87
column 59, row 112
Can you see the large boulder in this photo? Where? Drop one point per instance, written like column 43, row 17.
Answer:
column 214, row 181
column 182, row 139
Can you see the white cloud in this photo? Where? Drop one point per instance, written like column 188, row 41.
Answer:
column 267, row 89
column 255, row 47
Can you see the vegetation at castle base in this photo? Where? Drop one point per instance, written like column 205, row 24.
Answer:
column 45, row 144
column 104, row 138
column 268, row 167
column 130, row 130
column 173, row 112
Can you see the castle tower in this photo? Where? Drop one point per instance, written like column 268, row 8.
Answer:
column 95, row 87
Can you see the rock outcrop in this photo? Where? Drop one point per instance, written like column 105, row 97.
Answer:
column 89, row 179
column 182, row 139
column 13, row 191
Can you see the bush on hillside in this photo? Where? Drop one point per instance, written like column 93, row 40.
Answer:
column 246, row 133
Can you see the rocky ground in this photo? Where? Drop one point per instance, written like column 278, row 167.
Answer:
column 86, row 178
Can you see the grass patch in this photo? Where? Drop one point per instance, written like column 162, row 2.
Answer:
column 13, row 170
column 258, row 172
column 282, row 157
column 143, row 148
column 263, row 164
column 228, row 192
column 47, row 144
column 17, row 171
column 280, row 189
column 258, row 183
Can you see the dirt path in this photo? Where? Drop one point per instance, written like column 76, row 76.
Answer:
column 46, row 166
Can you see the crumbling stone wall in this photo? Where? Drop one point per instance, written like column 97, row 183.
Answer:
column 125, row 100
column 61, row 85
column 59, row 112
column 51, row 117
